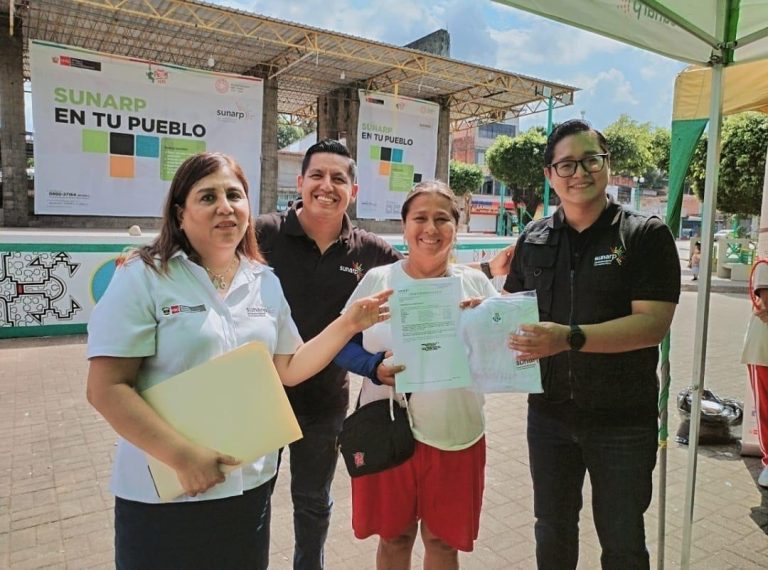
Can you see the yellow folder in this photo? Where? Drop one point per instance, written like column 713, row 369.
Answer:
column 234, row 403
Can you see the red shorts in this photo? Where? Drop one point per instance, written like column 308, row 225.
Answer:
column 444, row 489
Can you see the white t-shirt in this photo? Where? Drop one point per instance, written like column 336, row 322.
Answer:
column 756, row 340
column 450, row 420
column 174, row 322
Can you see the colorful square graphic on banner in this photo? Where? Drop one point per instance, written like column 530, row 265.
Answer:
column 175, row 151
column 121, row 143
column 95, row 141
column 148, row 147
column 401, row 178
column 121, row 166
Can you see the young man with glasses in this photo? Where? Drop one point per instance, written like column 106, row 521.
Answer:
column 607, row 281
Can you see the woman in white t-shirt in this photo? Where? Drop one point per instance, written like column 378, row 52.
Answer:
column 199, row 290
column 441, row 485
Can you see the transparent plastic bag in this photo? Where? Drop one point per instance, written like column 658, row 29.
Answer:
column 485, row 330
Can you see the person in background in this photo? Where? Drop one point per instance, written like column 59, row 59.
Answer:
column 755, row 356
column 320, row 258
column 198, row 291
column 607, row 281
column 695, row 261
column 439, row 490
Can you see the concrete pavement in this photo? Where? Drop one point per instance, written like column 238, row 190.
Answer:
column 55, row 455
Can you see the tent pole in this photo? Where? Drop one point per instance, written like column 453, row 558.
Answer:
column 702, row 303
column 663, row 443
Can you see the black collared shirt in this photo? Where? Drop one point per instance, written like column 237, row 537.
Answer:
column 317, row 286
column 592, row 277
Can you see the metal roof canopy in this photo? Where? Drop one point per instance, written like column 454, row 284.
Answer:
column 306, row 62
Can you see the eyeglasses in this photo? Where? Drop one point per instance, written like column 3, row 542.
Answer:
column 592, row 163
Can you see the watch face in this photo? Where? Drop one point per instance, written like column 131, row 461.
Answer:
column 576, row 338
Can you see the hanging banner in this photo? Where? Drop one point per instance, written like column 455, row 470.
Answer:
column 396, row 148
column 110, row 132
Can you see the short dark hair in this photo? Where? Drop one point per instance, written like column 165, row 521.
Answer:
column 331, row 146
column 431, row 187
column 566, row 129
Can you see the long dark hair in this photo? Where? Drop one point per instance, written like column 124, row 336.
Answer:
column 171, row 238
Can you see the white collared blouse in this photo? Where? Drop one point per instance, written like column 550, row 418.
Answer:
column 176, row 321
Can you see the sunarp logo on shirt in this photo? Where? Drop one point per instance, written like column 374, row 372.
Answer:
column 176, row 309
column 618, row 254
column 356, row 269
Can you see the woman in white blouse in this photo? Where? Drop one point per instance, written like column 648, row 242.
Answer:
column 199, row 290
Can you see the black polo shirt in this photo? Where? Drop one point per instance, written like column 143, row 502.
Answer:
column 592, row 277
column 317, row 286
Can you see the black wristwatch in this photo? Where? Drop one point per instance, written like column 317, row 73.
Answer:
column 576, row 338
column 485, row 267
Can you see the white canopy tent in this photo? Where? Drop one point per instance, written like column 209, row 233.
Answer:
column 715, row 33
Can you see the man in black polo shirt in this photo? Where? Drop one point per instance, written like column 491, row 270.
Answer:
column 607, row 281
column 319, row 257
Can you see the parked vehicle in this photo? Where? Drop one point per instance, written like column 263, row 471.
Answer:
column 723, row 234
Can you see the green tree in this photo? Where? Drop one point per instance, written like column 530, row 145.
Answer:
column 657, row 175
column 291, row 128
column 288, row 134
column 661, row 142
column 519, row 163
column 742, row 164
column 465, row 179
column 696, row 170
column 630, row 143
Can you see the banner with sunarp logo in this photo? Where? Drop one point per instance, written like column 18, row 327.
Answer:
column 110, row 132
column 396, row 148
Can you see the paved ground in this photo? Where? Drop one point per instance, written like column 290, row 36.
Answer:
column 55, row 454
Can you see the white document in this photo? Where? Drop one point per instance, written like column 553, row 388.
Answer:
column 234, row 404
column 485, row 329
column 424, row 316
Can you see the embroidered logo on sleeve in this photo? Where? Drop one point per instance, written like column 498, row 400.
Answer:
column 176, row 309
column 356, row 269
column 359, row 457
column 617, row 255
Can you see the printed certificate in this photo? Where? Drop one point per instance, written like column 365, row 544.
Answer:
column 424, row 318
